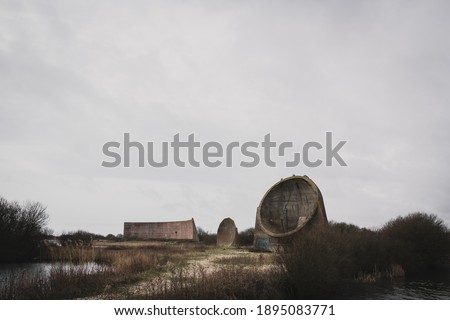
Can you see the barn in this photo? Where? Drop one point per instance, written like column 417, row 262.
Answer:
column 169, row 230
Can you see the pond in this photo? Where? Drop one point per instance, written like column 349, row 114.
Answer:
column 43, row 269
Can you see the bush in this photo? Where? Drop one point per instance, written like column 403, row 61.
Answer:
column 312, row 265
column 206, row 238
column 79, row 237
column 114, row 238
column 419, row 242
column 323, row 260
column 246, row 237
column 21, row 229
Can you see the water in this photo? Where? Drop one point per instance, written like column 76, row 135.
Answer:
column 433, row 289
column 436, row 288
column 42, row 269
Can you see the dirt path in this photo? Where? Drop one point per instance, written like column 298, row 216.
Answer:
column 199, row 263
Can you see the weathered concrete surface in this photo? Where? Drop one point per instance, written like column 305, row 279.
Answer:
column 288, row 206
column 227, row 234
column 171, row 230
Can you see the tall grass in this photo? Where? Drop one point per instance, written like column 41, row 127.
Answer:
column 261, row 259
column 71, row 275
column 62, row 282
column 225, row 282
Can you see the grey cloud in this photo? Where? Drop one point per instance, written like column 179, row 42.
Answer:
column 77, row 74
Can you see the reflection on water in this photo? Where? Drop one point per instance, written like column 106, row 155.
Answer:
column 43, row 269
column 414, row 289
column 437, row 288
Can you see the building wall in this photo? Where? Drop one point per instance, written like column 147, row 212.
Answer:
column 172, row 230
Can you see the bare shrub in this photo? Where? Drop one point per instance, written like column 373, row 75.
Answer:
column 21, row 228
column 419, row 242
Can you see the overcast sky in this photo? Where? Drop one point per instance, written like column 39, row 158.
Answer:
column 76, row 74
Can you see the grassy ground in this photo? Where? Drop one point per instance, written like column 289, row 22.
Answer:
column 205, row 273
column 318, row 263
column 150, row 270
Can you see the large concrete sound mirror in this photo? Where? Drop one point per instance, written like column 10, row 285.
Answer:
column 287, row 207
column 227, row 234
